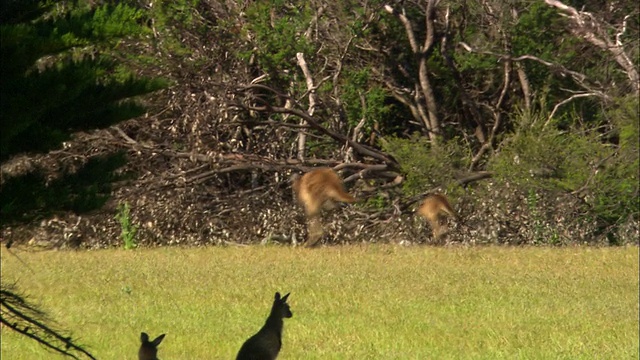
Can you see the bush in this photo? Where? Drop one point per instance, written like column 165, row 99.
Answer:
column 129, row 230
column 604, row 176
column 427, row 166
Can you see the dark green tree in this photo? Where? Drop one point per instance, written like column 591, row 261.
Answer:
column 59, row 76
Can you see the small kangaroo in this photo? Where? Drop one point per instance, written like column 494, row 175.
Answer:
column 266, row 343
column 433, row 209
column 149, row 349
column 316, row 190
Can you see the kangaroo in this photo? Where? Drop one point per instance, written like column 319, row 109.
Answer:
column 433, row 208
column 149, row 349
column 317, row 190
column 266, row 343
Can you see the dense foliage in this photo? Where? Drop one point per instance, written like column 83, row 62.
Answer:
column 59, row 77
column 526, row 113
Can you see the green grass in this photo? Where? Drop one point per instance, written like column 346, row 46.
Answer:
column 348, row 302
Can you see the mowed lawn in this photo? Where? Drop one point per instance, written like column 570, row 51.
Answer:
column 348, row 302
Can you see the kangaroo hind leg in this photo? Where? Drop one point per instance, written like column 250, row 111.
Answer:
column 315, row 231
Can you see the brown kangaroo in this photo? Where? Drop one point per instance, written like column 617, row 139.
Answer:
column 316, row 190
column 433, row 209
column 149, row 349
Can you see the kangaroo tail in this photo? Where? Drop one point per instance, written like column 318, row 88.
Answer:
column 342, row 196
column 454, row 215
column 445, row 207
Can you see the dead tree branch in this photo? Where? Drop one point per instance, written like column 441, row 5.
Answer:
column 426, row 108
column 24, row 318
column 576, row 76
column 594, row 30
column 567, row 100
column 361, row 149
column 302, row 138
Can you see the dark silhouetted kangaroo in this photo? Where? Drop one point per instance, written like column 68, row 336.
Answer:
column 266, row 343
column 149, row 349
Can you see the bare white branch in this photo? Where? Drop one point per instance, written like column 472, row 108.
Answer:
column 592, row 29
column 567, row 100
column 407, row 26
column 302, row 138
column 623, row 29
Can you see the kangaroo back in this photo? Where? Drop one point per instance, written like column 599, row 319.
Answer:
column 149, row 349
column 433, row 207
column 266, row 343
column 318, row 186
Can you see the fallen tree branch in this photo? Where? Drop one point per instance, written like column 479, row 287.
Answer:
column 363, row 150
column 23, row 318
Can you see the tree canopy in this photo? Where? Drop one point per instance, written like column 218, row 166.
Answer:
column 59, row 77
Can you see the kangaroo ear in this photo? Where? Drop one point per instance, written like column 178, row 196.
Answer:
column 144, row 337
column 284, row 298
column 277, row 296
column 158, row 340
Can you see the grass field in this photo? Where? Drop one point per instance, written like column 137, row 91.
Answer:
column 348, row 302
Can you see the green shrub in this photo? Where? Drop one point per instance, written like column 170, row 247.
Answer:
column 358, row 87
column 544, row 157
column 278, row 34
column 427, row 166
column 539, row 156
column 616, row 185
column 129, row 230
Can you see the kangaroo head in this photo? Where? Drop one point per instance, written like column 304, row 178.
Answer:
column 280, row 306
column 294, row 177
column 149, row 349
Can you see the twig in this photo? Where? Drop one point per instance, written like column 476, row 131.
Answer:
column 569, row 99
